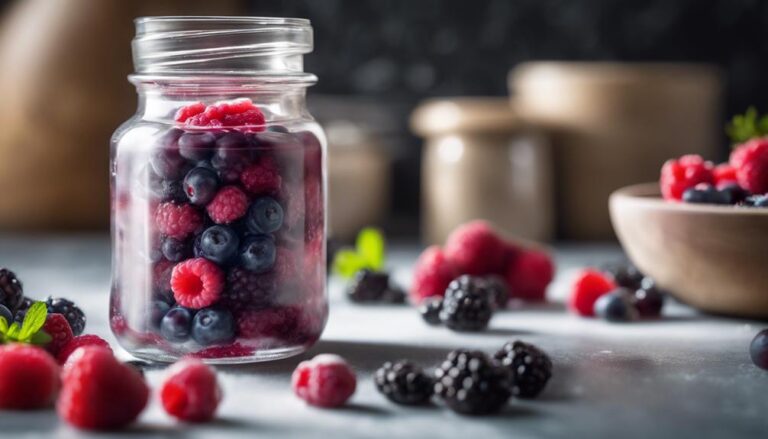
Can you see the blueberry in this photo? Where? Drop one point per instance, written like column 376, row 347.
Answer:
column 165, row 158
column 232, row 156
column 176, row 324
column 158, row 310
column 176, row 250
column 258, row 253
column 265, row 215
column 200, row 185
column 213, row 326
column 219, row 244
column 758, row 349
column 704, row 194
column 196, row 146
column 6, row 314
column 649, row 302
column 732, row 193
column 756, row 201
column 616, row 306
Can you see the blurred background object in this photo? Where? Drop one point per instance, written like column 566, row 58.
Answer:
column 65, row 63
column 613, row 125
column 481, row 161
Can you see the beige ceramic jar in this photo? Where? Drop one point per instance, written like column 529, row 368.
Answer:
column 481, row 162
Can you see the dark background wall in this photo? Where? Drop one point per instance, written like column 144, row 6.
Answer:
column 403, row 51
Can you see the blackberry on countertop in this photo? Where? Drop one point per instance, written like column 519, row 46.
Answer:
column 404, row 383
column 499, row 290
column 468, row 382
column 74, row 315
column 11, row 290
column 530, row 367
column 248, row 290
column 370, row 286
column 430, row 310
column 467, row 305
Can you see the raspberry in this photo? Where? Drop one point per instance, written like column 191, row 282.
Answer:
column 246, row 289
column 188, row 111
column 80, row 341
column 724, row 174
column 99, row 392
column 239, row 112
column 177, row 220
column 262, row 177
column 684, row 173
column 197, row 283
column 29, row 377
column 751, row 162
column 190, row 391
column 324, row 381
column 228, row 351
column 74, row 315
column 474, row 248
column 228, row 205
column 432, row 274
column 270, row 322
column 529, row 274
column 58, row 328
column 589, row 286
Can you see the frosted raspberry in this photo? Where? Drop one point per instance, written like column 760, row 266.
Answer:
column 228, row 205
column 177, row 220
column 190, row 391
column 324, row 381
column 197, row 283
column 432, row 274
column 589, row 286
column 751, row 163
column 724, row 174
column 286, row 266
column 529, row 274
column 474, row 248
column 262, row 177
column 239, row 112
column 188, row 111
column 684, row 173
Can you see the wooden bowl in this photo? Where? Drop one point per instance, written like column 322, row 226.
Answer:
column 714, row 258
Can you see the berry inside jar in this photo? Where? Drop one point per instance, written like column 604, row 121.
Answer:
column 219, row 236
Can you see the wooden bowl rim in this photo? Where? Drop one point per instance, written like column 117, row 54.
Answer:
column 648, row 195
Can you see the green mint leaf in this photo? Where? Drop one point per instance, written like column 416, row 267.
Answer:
column 747, row 126
column 40, row 338
column 33, row 321
column 3, row 325
column 371, row 248
column 13, row 332
column 347, row 262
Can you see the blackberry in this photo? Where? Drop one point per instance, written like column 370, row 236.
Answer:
column 11, row 290
column 625, row 275
column 404, row 383
column 74, row 315
column 467, row 305
column 499, row 290
column 393, row 294
column 373, row 286
column 649, row 301
column 530, row 367
column 430, row 310
column 246, row 289
column 468, row 382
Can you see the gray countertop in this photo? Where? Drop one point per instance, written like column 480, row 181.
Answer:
column 688, row 375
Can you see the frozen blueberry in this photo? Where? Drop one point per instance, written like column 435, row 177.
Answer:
column 6, row 314
column 200, row 185
column 265, row 215
column 213, row 326
column 616, row 306
column 176, row 250
column 196, row 146
column 233, row 154
column 165, row 158
column 157, row 311
column 176, row 324
column 258, row 253
column 732, row 193
column 219, row 244
column 758, row 349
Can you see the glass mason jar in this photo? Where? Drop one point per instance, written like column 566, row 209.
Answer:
column 218, row 194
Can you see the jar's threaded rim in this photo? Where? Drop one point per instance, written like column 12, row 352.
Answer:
column 222, row 46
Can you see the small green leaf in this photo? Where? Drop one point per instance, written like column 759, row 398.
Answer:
column 370, row 247
column 33, row 321
column 13, row 332
column 40, row 338
column 347, row 262
column 747, row 126
column 3, row 325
